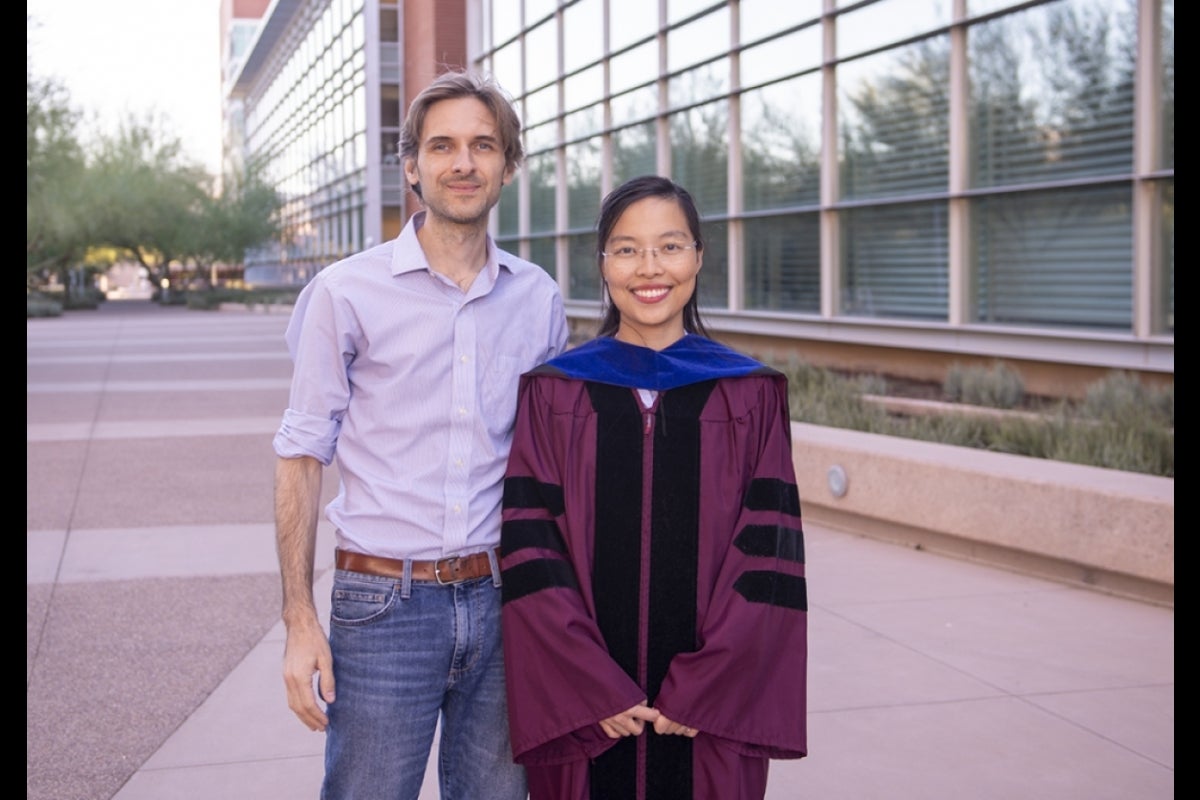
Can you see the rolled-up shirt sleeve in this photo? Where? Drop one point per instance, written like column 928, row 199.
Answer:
column 305, row 435
column 321, row 341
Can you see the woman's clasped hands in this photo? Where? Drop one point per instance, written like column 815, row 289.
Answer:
column 633, row 721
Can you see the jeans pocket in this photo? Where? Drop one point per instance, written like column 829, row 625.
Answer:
column 360, row 603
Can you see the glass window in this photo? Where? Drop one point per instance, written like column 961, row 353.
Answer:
column 506, row 21
column 583, row 184
column 780, row 57
column 893, row 121
column 878, row 24
column 679, row 9
column 541, row 54
column 584, row 88
column 698, row 41
column 713, row 281
column 894, row 261
column 585, row 273
column 541, row 137
column 541, row 252
column 506, row 67
column 635, row 105
column 542, row 183
column 697, row 85
column 759, row 18
column 781, row 144
column 535, row 10
column 782, row 258
column 1167, row 299
column 634, row 152
column 508, row 209
column 582, row 40
column 1051, row 95
column 700, row 155
column 634, row 67
column 630, row 21
column 1054, row 258
column 542, row 105
column 585, row 122
column 390, row 104
column 1168, row 83
column 978, row 7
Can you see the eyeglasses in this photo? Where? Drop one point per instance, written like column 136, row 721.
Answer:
column 665, row 254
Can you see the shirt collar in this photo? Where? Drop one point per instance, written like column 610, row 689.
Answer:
column 409, row 257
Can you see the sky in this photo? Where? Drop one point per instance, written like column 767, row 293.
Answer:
column 122, row 57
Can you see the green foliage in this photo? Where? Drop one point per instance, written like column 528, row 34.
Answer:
column 85, row 298
column 823, row 397
column 132, row 194
column 1122, row 399
column 211, row 299
column 1122, row 425
column 39, row 305
column 145, row 197
column 54, row 165
column 244, row 215
column 998, row 387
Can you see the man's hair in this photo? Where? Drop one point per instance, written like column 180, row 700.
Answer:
column 455, row 84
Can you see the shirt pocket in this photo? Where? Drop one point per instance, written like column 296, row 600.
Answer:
column 498, row 393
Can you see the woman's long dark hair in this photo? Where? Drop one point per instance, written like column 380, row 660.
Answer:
column 613, row 207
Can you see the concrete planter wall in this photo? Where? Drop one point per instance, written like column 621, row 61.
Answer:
column 1108, row 530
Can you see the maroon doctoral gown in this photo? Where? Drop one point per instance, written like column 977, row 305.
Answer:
column 653, row 554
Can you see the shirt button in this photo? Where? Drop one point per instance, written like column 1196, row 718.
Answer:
column 463, row 359
column 457, row 508
column 462, row 412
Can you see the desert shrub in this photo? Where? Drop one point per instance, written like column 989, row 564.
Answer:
column 999, row 386
column 1108, row 430
column 88, row 298
column 211, row 299
column 38, row 305
column 1121, row 398
column 822, row 397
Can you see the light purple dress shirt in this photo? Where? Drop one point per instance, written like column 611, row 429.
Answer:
column 411, row 384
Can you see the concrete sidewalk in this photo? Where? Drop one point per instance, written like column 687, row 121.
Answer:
column 153, row 646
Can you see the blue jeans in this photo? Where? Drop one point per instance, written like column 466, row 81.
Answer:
column 404, row 654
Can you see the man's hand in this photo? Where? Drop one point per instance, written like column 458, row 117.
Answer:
column 305, row 654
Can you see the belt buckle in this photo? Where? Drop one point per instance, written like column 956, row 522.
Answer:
column 437, row 571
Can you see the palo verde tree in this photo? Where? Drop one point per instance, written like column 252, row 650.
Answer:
column 146, row 198
column 243, row 215
column 55, row 215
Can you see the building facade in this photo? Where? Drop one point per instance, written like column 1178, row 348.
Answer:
column 889, row 185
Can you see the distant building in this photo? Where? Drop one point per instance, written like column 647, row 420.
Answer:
column 890, row 186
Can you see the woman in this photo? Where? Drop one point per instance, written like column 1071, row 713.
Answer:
column 655, row 607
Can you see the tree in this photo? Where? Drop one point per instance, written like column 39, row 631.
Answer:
column 55, row 219
column 145, row 198
column 245, row 214
column 132, row 194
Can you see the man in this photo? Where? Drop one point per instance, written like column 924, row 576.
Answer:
column 407, row 357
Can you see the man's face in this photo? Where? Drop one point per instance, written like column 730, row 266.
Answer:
column 459, row 162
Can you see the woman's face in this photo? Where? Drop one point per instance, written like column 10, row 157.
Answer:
column 650, row 267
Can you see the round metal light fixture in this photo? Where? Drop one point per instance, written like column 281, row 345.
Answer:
column 838, row 482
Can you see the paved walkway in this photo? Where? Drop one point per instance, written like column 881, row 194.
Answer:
column 153, row 647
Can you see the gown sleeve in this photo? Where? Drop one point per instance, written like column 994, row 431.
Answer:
column 746, row 682
column 559, row 676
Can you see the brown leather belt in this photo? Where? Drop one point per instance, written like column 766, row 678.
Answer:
column 445, row 570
